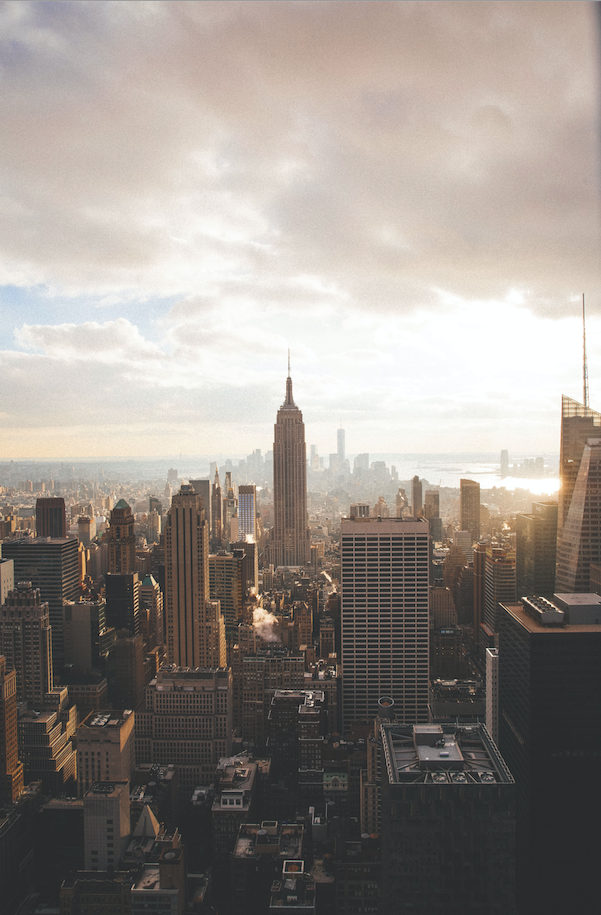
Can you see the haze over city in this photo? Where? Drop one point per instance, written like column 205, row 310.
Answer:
column 405, row 194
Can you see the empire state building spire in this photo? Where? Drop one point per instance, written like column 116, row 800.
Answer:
column 289, row 544
column 289, row 402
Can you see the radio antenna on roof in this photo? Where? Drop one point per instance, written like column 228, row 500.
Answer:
column 584, row 363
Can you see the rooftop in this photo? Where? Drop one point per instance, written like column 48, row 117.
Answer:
column 106, row 719
column 534, row 626
column 269, row 837
column 107, row 789
column 442, row 754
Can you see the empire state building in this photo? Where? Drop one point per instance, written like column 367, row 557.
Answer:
column 290, row 542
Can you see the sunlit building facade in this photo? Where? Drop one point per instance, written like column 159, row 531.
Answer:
column 290, row 543
column 579, row 542
column 195, row 626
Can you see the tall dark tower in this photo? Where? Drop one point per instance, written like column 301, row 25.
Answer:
column 122, row 539
column 469, row 495
column 290, row 541
column 50, row 517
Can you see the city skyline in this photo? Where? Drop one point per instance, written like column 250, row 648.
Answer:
column 406, row 195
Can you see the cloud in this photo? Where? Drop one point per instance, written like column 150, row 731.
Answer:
column 112, row 342
column 384, row 149
column 404, row 194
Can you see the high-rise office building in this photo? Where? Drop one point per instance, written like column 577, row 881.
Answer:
column 479, row 558
column 578, row 424
column 431, row 504
column 216, row 532
column 186, row 720
column 122, row 590
column 50, row 518
column 499, row 582
column 105, row 748
column 226, row 585
column 86, row 529
column 247, row 512
column 550, row 736
column 384, row 613
column 203, row 488
column 361, row 464
column 504, row 463
column 289, row 544
column 250, row 564
column 578, row 542
column 416, row 497
column 195, row 625
column 463, row 539
column 11, row 770
column 52, row 565
column 122, row 539
column 106, row 826
column 448, row 821
column 151, row 613
column 492, row 692
column 230, row 510
column 469, row 496
column 86, row 637
column 25, row 641
column 536, row 540
column 341, row 453
column 125, row 671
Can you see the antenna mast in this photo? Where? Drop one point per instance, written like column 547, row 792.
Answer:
column 584, row 363
column 289, row 361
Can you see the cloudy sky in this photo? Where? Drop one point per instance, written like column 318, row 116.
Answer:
column 405, row 194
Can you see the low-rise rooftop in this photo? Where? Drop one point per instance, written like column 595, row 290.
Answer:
column 269, row 837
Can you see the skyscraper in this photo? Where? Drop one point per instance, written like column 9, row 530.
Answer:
column 431, row 504
column 195, row 626
column 50, row 518
column 384, row 613
column 447, row 821
column 499, row 582
column 469, row 495
column 122, row 591
column 536, row 539
column 226, row 584
column 215, row 531
column 550, row 736
column 578, row 543
column 578, row 424
column 122, row 539
column 203, row 488
column 247, row 512
column 52, row 565
column 416, row 497
column 186, row 720
column 340, row 438
column 290, row 541
column 106, row 818
column 11, row 770
column 25, row 641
